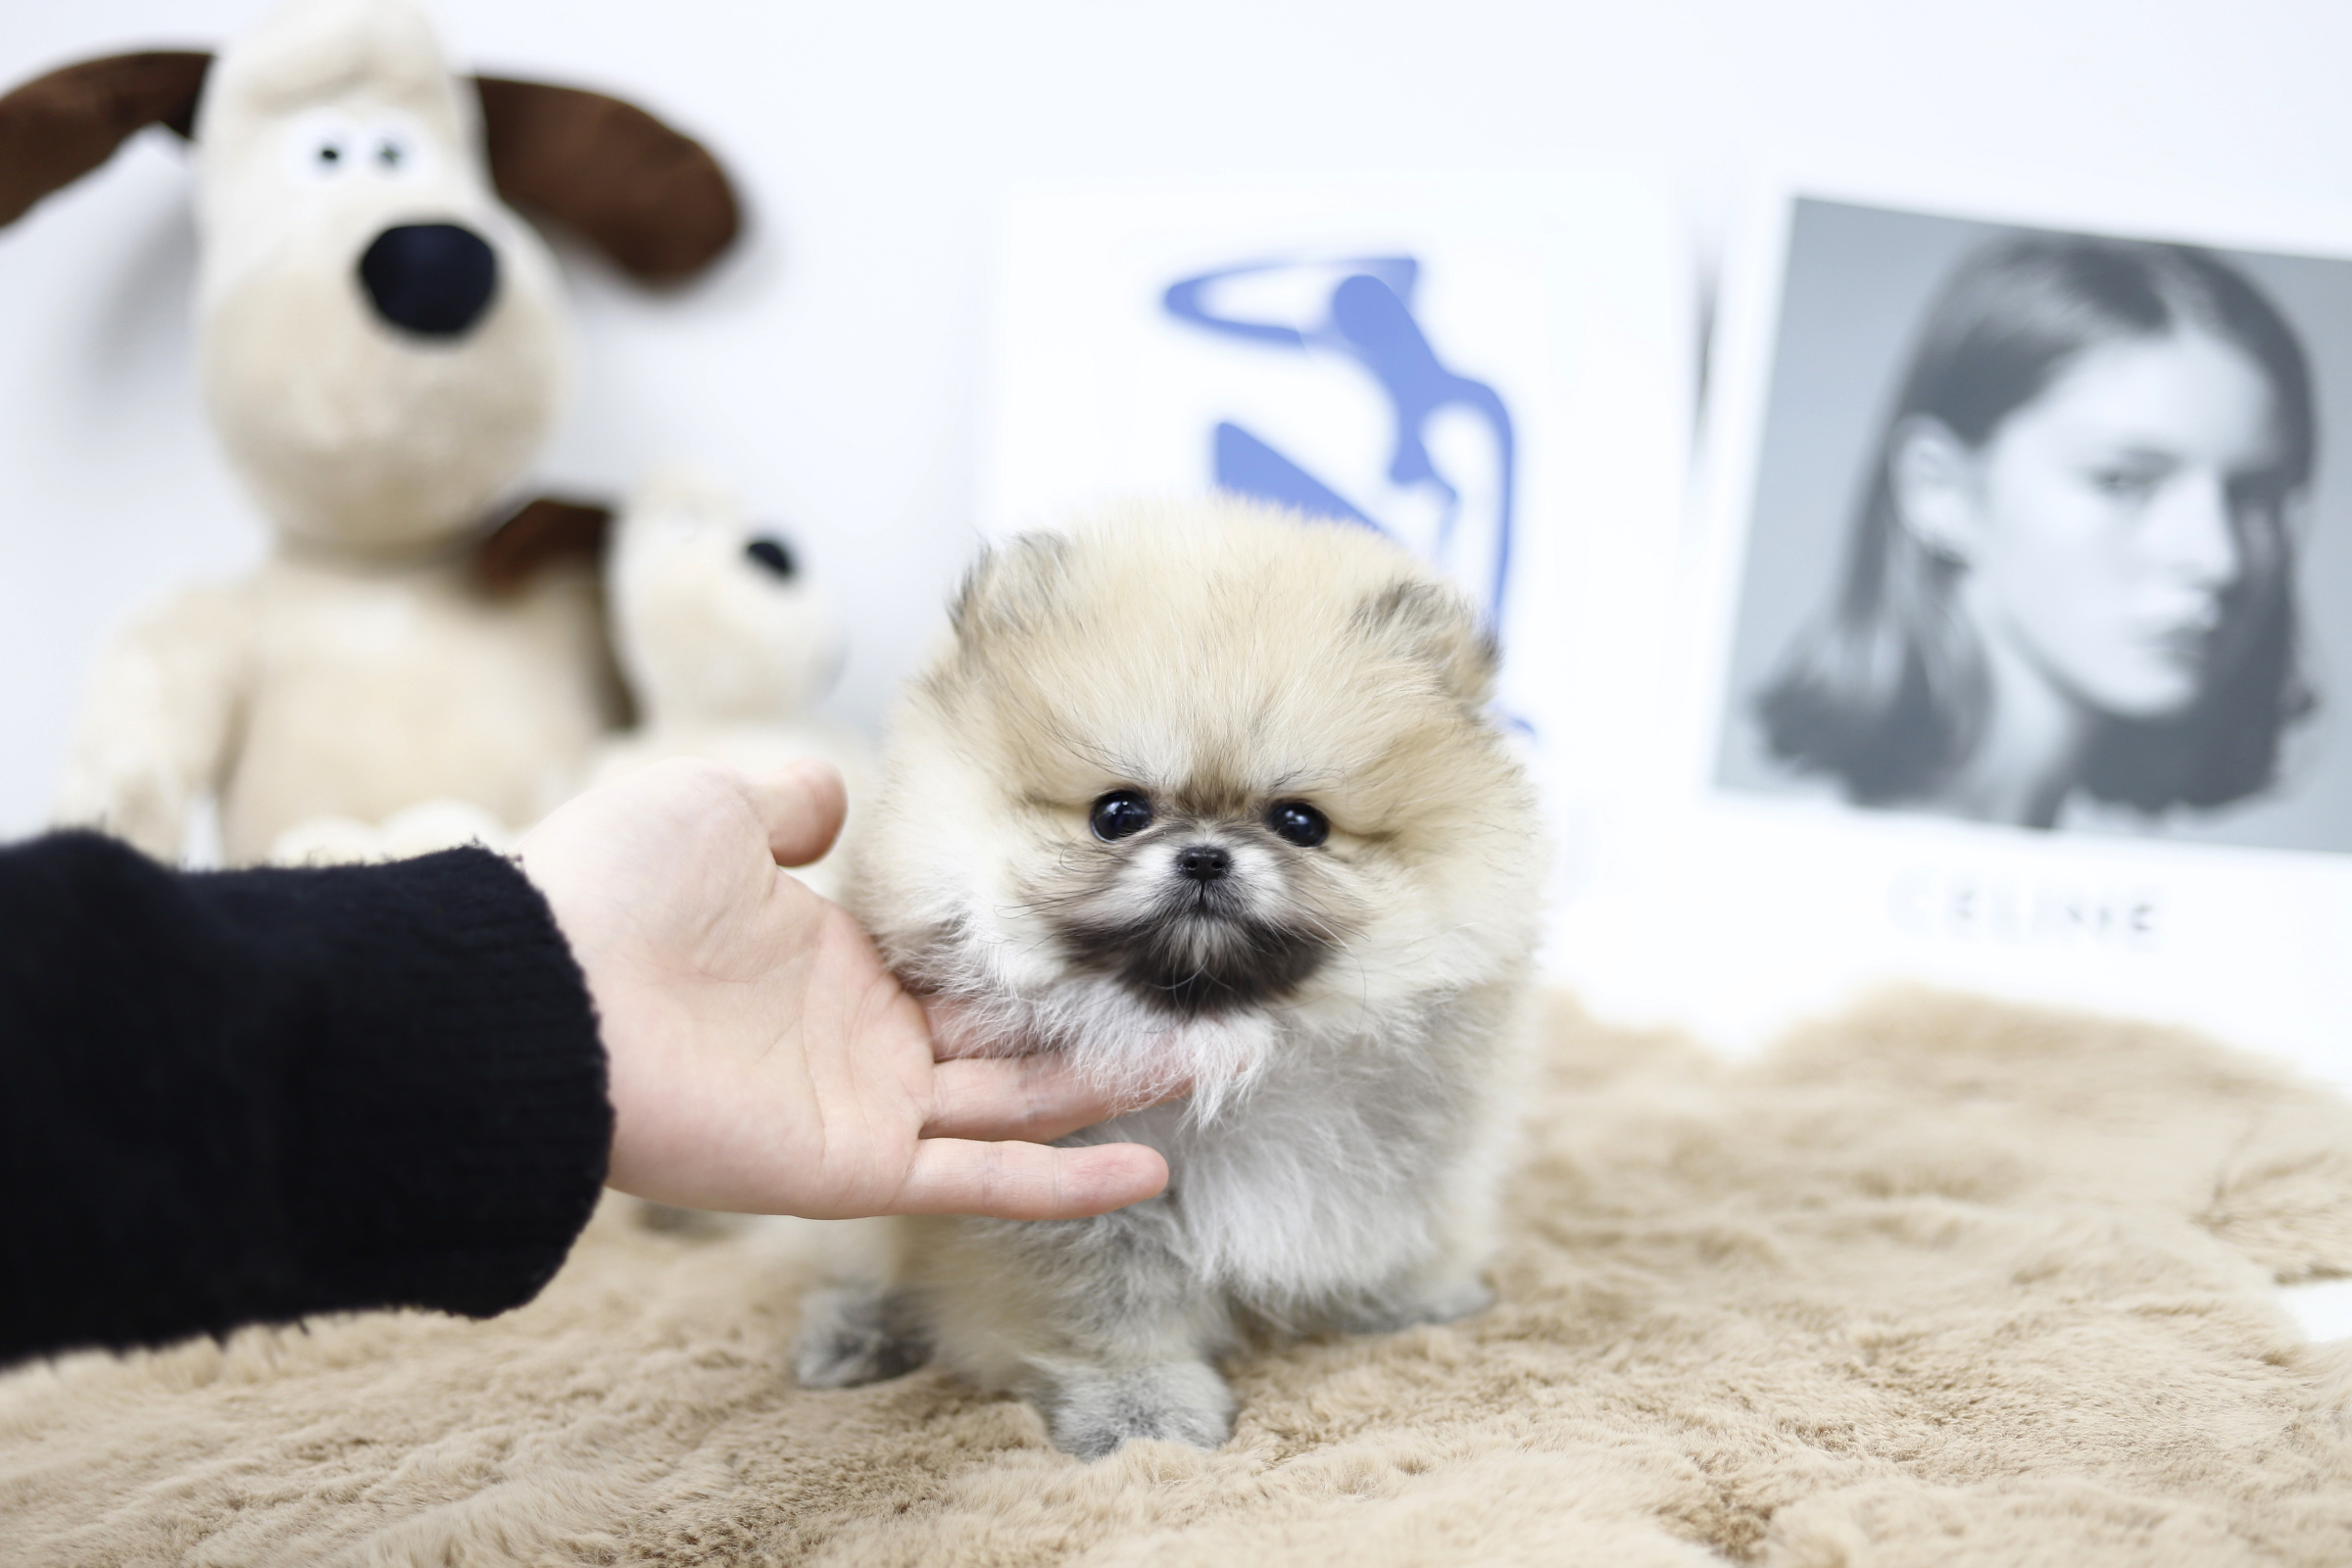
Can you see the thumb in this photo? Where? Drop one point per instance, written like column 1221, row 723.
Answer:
column 802, row 806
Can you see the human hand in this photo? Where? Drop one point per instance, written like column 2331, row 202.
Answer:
column 762, row 1059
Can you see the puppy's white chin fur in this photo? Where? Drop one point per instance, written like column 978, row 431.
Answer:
column 1136, row 1054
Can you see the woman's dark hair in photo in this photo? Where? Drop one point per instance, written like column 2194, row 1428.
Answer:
column 1888, row 690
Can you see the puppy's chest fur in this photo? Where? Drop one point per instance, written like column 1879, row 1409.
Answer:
column 1328, row 1174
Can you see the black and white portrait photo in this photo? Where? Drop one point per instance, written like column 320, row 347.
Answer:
column 2048, row 530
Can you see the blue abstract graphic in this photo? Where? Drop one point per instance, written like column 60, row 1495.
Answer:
column 1369, row 320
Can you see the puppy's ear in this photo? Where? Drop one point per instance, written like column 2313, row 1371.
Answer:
column 57, row 128
column 1011, row 588
column 1435, row 625
column 651, row 199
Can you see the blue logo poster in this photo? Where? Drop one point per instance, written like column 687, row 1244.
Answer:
column 1368, row 320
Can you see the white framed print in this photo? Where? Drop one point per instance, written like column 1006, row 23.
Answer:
column 2017, row 642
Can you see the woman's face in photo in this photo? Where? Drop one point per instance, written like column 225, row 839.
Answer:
column 2103, row 524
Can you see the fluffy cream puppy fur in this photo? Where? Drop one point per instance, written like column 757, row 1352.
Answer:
column 1209, row 793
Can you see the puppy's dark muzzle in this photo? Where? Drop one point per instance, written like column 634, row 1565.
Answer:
column 430, row 279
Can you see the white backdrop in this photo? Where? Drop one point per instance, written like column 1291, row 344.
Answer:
column 834, row 368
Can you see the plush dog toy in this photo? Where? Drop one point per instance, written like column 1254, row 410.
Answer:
column 725, row 645
column 383, row 346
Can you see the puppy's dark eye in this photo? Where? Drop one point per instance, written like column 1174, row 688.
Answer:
column 1121, row 813
column 1299, row 823
column 773, row 553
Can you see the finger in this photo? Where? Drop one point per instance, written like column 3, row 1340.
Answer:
column 1028, row 1181
column 1035, row 1098
column 802, row 806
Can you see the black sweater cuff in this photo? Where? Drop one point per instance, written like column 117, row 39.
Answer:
column 257, row 1095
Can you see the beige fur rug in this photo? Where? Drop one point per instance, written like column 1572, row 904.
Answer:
column 1940, row 1283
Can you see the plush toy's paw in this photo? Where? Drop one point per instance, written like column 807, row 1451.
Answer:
column 1093, row 1411
column 414, row 830
column 325, row 841
column 856, row 1334
column 689, row 1224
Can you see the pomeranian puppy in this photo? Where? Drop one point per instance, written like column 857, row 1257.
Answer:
column 1203, row 794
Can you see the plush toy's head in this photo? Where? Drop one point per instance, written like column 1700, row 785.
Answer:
column 712, row 616
column 383, row 341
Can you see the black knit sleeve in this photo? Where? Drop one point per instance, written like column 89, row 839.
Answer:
column 254, row 1095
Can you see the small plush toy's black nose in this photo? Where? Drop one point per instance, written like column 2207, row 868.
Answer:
column 432, row 280
column 774, row 555
column 1202, row 863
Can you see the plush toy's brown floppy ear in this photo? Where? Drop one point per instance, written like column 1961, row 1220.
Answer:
column 540, row 533
column 57, row 128
column 652, row 200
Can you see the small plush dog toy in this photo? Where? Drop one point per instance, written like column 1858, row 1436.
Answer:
column 383, row 346
column 725, row 644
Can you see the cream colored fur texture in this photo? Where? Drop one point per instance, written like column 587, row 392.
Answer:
column 360, row 672
column 1206, row 793
column 1942, row 1283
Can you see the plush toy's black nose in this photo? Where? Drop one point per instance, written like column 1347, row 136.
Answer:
column 1202, row 863
column 432, row 280
column 774, row 555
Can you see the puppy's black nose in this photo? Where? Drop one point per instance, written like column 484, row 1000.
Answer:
column 432, row 280
column 1202, row 863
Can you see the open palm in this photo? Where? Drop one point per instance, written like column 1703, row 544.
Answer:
column 761, row 1058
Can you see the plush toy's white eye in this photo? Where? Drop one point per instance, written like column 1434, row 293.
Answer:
column 394, row 149
column 329, row 144
column 321, row 145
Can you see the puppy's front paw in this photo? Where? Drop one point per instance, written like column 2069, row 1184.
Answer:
column 1092, row 1411
column 1440, row 1300
column 853, row 1335
column 1444, row 1301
